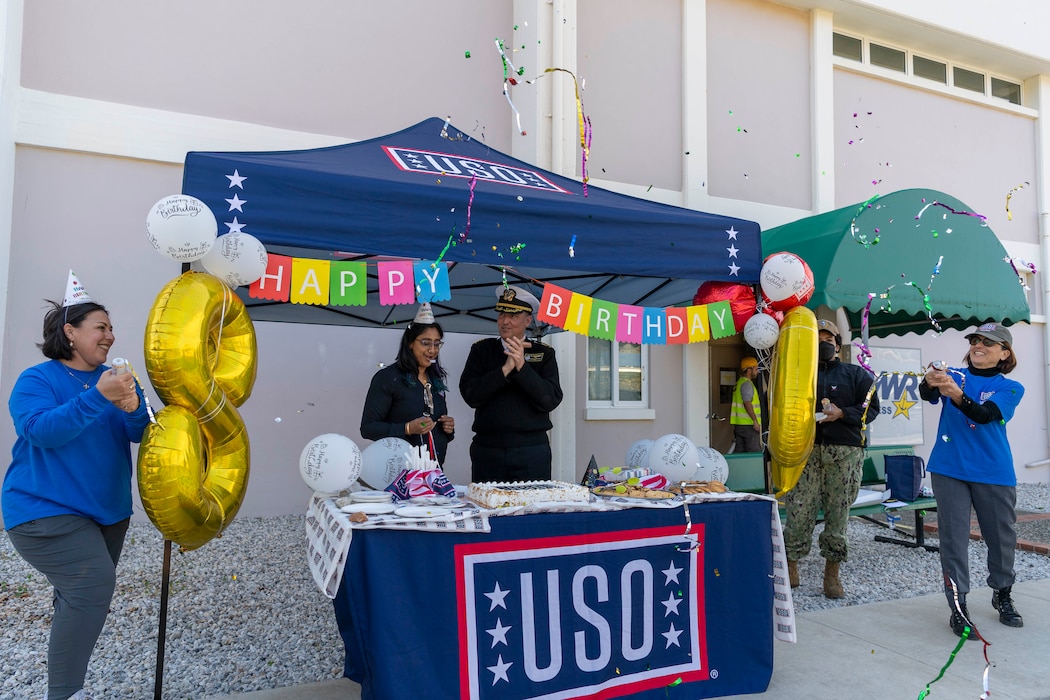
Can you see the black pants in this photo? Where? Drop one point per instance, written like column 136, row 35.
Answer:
column 527, row 463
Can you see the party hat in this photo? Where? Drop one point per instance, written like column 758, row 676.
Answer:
column 75, row 292
column 425, row 314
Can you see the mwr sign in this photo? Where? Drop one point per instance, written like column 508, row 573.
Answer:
column 448, row 165
column 581, row 616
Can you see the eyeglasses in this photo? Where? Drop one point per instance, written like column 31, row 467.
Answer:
column 428, row 343
column 986, row 342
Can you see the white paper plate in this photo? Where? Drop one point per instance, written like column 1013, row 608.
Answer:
column 421, row 512
column 371, row 496
column 369, row 508
column 432, row 501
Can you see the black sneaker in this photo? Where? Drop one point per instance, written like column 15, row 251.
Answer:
column 1002, row 602
column 958, row 623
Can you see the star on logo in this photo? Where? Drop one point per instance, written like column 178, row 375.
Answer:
column 497, row 596
column 733, row 250
column 499, row 671
column 671, row 635
column 734, row 269
column 731, row 230
column 236, row 203
column 671, row 572
column 234, row 226
column 903, row 406
column 671, row 604
column 236, row 179
column 499, row 634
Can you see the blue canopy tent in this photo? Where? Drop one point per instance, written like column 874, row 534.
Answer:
column 411, row 194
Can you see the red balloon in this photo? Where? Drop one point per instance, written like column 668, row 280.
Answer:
column 777, row 315
column 741, row 298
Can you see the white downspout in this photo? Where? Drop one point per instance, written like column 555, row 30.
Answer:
column 1040, row 89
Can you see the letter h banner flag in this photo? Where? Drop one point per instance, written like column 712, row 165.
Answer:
column 605, row 614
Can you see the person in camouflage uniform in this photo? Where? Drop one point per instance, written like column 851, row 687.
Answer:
column 831, row 477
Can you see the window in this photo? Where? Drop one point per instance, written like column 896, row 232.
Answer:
column 886, row 57
column 1011, row 92
column 848, row 47
column 927, row 68
column 967, row 79
column 617, row 374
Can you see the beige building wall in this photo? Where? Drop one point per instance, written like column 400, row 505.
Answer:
column 97, row 123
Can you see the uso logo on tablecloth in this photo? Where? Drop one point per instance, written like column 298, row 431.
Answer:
column 581, row 615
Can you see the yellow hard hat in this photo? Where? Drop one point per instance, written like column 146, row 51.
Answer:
column 748, row 363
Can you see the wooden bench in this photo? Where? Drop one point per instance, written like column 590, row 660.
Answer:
column 747, row 474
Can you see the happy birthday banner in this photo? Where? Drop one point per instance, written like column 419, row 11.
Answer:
column 345, row 283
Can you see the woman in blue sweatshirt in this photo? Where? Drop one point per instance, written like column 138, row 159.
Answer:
column 972, row 468
column 67, row 493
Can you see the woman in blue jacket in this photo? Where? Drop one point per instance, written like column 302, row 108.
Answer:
column 67, row 494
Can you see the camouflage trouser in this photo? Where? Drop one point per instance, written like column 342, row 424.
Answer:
column 831, row 479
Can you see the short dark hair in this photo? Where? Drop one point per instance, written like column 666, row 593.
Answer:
column 56, row 344
column 406, row 360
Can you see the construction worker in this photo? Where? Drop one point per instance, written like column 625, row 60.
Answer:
column 746, row 413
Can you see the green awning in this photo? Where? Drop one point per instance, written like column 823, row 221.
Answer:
column 916, row 230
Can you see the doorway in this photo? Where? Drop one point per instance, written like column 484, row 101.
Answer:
column 725, row 370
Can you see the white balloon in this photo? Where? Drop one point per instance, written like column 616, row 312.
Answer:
column 181, row 227
column 638, row 454
column 383, row 460
column 236, row 258
column 713, row 466
column 761, row 331
column 330, row 463
column 675, row 456
column 785, row 277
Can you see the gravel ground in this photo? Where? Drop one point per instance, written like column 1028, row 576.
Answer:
column 245, row 615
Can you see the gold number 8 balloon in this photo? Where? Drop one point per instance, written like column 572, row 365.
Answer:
column 193, row 462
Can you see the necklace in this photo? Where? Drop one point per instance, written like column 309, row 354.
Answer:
column 80, row 381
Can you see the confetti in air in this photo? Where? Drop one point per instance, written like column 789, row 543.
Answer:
column 508, row 79
column 1009, row 214
column 953, row 211
column 583, row 122
column 1029, row 268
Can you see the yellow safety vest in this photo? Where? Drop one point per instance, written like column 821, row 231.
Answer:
column 738, row 415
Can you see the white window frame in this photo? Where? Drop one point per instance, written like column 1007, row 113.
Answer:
column 615, row 408
column 950, row 73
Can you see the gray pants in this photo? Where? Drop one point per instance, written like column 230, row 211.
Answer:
column 746, row 439
column 994, row 506
column 79, row 558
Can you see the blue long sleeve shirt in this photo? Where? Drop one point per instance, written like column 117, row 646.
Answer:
column 72, row 455
column 971, row 451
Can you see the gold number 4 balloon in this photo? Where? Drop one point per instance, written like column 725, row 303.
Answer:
column 792, row 397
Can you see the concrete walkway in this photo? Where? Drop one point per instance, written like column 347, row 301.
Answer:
column 882, row 650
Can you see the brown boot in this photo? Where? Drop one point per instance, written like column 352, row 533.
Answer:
column 832, row 585
column 793, row 573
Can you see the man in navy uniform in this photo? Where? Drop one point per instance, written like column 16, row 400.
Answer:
column 512, row 383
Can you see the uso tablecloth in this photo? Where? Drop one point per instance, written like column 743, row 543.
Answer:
column 566, row 605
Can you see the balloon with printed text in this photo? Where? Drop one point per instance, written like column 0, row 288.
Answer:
column 786, row 281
